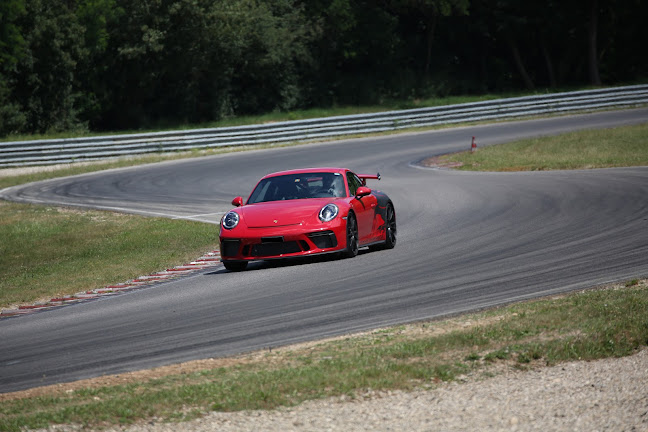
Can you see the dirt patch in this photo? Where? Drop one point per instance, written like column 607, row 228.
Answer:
column 438, row 162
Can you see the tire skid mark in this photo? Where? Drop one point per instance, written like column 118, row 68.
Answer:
column 208, row 260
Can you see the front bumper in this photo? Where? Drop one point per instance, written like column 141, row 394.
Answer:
column 280, row 243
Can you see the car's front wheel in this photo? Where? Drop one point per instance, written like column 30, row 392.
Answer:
column 235, row 265
column 353, row 243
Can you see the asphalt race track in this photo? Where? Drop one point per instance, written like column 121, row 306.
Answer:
column 465, row 241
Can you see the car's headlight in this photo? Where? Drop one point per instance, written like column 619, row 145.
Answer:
column 328, row 212
column 230, row 220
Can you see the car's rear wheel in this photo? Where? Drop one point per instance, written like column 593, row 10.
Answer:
column 353, row 243
column 390, row 228
column 235, row 265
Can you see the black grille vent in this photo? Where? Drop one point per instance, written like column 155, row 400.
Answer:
column 323, row 239
column 230, row 248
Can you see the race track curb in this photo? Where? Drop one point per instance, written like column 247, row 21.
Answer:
column 208, row 260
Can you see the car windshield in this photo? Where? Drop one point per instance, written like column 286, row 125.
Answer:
column 299, row 186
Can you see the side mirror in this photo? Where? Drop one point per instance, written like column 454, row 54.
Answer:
column 237, row 202
column 363, row 191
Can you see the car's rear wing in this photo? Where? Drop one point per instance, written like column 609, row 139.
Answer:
column 364, row 177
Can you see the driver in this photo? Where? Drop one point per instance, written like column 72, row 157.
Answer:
column 336, row 186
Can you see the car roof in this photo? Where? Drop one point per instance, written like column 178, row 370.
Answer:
column 308, row 170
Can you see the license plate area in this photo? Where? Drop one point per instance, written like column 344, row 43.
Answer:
column 277, row 239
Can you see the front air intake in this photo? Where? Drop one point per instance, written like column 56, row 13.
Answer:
column 323, row 239
column 230, row 248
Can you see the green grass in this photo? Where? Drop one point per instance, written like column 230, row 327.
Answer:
column 47, row 252
column 603, row 148
column 588, row 325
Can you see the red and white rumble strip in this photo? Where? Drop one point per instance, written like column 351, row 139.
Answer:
column 210, row 259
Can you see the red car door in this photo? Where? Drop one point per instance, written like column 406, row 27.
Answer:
column 364, row 208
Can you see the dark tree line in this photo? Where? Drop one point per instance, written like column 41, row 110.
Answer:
column 70, row 65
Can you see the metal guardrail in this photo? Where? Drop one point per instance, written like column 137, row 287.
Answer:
column 46, row 152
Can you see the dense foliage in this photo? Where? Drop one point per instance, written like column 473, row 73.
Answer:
column 70, row 65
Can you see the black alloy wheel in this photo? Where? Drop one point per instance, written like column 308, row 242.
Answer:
column 352, row 237
column 390, row 228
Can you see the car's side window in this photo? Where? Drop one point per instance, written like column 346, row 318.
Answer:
column 354, row 183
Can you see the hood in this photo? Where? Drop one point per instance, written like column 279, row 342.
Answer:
column 281, row 213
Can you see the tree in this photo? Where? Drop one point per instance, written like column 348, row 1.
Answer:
column 592, row 52
column 12, row 50
column 358, row 51
column 267, row 47
column 429, row 13
column 127, row 64
column 45, row 75
column 196, row 60
column 97, row 17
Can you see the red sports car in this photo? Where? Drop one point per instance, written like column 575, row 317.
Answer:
column 306, row 212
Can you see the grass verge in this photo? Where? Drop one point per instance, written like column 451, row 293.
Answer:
column 603, row 148
column 587, row 325
column 47, row 252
